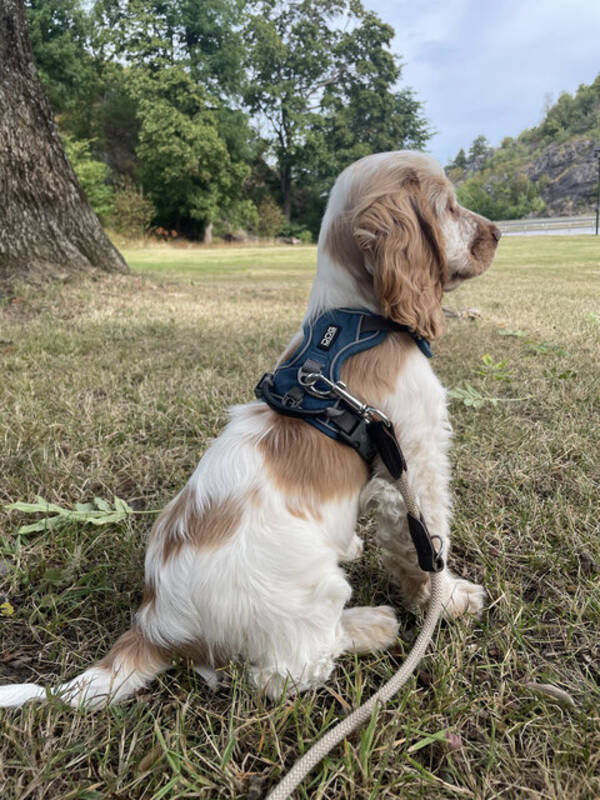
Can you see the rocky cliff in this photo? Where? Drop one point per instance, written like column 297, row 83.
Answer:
column 566, row 176
column 548, row 170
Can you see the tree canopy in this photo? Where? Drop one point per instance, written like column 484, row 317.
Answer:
column 213, row 109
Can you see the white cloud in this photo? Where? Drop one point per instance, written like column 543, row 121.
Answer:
column 487, row 67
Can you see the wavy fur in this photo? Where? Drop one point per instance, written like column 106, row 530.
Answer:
column 245, row 562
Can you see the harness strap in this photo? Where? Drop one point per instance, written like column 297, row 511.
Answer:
column 313, row 392
column 375, row 322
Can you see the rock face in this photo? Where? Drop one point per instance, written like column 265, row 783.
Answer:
column 567, row 177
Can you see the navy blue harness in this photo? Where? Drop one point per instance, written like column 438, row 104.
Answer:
column 307, row 385
column 328, row 342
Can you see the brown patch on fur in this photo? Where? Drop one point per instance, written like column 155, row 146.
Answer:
column 182, row 524
column 203, row 654
column 402, row 238
column 372, row 374
column 294, row 508
column 309, row 467
column 135, row 652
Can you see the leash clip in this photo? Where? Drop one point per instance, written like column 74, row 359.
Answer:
column 309, row 379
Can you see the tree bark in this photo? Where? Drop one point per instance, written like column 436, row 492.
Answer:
column 286, row 190
column 208, row 234
column 47, row 225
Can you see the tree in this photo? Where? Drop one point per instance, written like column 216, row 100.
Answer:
column 46, row 222
column 185, row 165
column 461, row 159
column 325, row 90
column 59, row 31
column 479, row 147
column 193, row 146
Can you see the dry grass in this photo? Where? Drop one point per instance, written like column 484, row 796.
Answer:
column 115, row 386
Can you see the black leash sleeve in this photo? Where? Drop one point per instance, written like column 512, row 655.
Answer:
column 429, row 560
column 384, row 439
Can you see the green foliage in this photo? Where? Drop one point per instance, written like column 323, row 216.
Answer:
column 172, row 96
column 461, row 159
column 470, row 397
column 59, row 31
column 494, row 182
column 498, row 370
column 270, row 218
column 479, row 147
column 99, row 512
column 503, row 196
column 295, row 230
column 92, row 176
column 569, row 116
column 326, row 90
column 133, row 212
column 185, row 166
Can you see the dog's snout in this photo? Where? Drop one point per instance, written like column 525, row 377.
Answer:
column 496, row 233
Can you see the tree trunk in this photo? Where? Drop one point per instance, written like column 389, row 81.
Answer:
column 47, row 225
column 286, row 190
column 208, row 234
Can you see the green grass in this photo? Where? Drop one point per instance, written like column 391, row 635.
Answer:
column 116, row 385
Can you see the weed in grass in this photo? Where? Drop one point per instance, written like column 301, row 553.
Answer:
column 148, row 364
column 497, row 370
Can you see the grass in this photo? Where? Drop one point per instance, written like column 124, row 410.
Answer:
column 115, row 386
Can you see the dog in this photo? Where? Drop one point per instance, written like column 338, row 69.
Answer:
column 245, row 561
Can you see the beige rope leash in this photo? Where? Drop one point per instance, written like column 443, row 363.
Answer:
column 344, row 728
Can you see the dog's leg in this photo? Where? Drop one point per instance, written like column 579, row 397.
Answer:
column 304, row 638
column 130, row 665
column 367, row 628
column 400, row 558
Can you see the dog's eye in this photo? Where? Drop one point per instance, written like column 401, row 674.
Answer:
column 452, row 208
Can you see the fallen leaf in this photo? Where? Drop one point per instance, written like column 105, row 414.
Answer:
column 559, row 695
column 151, row 757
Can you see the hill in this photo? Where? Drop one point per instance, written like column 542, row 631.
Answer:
column 548, row 170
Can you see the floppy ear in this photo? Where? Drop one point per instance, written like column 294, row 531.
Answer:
column 401, row 240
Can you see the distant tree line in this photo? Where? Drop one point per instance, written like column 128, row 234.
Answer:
column 207, row 116
column 494, row 182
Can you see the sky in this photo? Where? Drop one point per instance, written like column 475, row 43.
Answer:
column 490, row 66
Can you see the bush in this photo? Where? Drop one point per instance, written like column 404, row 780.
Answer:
column 511, row 198
column 294, row 229
column 92, row 176
column 270, row 218
column 133, row 212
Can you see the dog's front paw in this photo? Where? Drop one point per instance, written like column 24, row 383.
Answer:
column 462, row 597
column 353, row 551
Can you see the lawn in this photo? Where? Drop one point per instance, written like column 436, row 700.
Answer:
column 114, row 386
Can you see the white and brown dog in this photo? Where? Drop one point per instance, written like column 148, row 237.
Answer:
column 245, row 561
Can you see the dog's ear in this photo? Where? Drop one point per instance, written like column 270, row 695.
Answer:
column 402, row 245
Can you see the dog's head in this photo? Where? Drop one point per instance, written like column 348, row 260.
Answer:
column 393, row 222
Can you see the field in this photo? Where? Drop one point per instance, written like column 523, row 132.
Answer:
column 114, row 386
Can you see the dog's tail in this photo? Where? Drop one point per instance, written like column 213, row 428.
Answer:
column 130, row 665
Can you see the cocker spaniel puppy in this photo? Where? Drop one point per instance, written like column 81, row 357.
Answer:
column 245, row 561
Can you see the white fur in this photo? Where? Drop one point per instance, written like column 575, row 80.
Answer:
column 275, row 593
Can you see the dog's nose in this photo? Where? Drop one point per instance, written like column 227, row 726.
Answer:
column 496, row 232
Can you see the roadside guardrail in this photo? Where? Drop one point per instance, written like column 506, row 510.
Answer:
column 581, row 224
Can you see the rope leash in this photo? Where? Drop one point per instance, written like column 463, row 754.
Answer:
column 344, row 728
